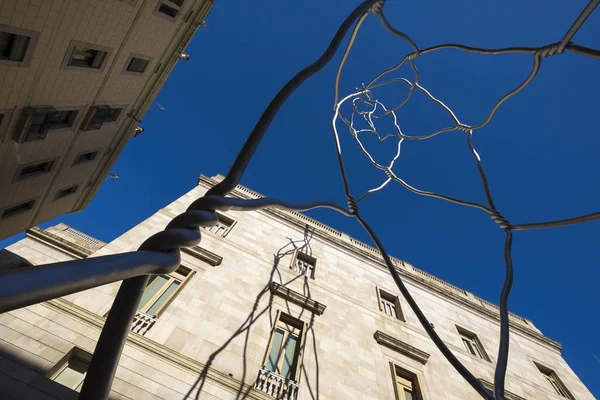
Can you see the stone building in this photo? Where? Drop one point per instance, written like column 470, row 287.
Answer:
column 272, row 304
column 76, row 78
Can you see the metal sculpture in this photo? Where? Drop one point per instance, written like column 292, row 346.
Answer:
column 160, row 253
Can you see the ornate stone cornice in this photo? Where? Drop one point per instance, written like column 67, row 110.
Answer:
column 297, row 298
column 158, row 350
column 58, row 242
column 403, row 348
column 207, row 256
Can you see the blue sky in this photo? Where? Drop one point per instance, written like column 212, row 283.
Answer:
column 539, row 152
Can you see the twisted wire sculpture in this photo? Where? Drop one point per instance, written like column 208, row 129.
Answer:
column 160, row 254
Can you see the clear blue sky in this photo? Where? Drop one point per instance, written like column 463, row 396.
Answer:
column 540, row 152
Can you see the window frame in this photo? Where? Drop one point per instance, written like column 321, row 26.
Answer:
column 75, row 353
column 33, row 39
column 91, row 113
column 215, row 228
column 5, row 118
column 59, row 193
column 3, row 210
column 398, row 371
column 69, row 55
column 75, row 163
column 391, row 298
column 308, row 259
column 169, row 4
column 280, row 319
column 49, row 170
column 141, row 57
column 173, row 276
column 549, row 374
column 466, row 336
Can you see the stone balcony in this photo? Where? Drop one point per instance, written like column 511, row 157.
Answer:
column 276, row 386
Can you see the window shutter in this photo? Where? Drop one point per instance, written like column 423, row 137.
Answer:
column 379, row 299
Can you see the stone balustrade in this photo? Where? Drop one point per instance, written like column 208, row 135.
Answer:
column 276, row 385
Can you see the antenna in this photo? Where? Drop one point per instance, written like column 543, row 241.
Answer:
column 112, row 175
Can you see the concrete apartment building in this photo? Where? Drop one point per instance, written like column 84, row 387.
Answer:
column 271, row 305
column 76, row 78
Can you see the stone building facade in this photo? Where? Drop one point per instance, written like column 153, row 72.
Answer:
column 76, row 78
column 271, row 304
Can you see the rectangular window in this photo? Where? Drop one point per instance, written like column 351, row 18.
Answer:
column 66, row 192
column 87, row 58
column 405, row 384
column 63, row 119
column 137, row 65
column 17, row 209
column 85, row 157
column 31, row 170
column 161, row 289
column 167, row 10
column 99, row 115
column 223, row 226
column 283, row 357
column 71, row 370
column 554, row 382
column 472, row 344
column 13, row 47
column 304, row 264
column 389, row 304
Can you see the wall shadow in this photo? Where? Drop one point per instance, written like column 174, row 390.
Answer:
column 275, row 275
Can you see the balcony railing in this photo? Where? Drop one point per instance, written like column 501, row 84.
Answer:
column 142, row 322
column 276, row 385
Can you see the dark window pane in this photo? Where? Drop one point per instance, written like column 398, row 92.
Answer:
column 13, row 47
column 17, row 209
column 137, row 65
column 67, row 192
column 86, row 157
column 170, row 11
column 178, row 2
column 35, row 169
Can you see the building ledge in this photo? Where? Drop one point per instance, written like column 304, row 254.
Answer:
column 297, row 298
column 58, row 242
column 507, row 395
column 399, row 346
column 207, row 256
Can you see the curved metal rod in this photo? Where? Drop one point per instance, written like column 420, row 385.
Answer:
column 502, row 363
column 386, row 24
column 587, row 11
column 583, row 51
column 22, row 287
column 346, row 54
column 243, row 158
column 536, row 67
column 559, row 222
column 460, row 368
column 484, row 181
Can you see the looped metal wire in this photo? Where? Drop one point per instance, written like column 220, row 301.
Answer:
column 352, row 206
column 550, row 50
column 500, row 220
column 413, row 56
column 376, row 9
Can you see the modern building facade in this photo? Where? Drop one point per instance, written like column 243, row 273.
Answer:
column 76, row 78
column 271, row 305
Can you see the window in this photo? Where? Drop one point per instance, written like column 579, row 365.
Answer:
column 87, row 58
column 37, row 121
column 285, row 348
column 13, row 47
column 555, row 383
column 162, row 289
column 5, row 115
column 71, row 370
column 99, row 115
column 66, row 192
column 405, row 384
column 16, row 46
column 17, row 209
column 169, row 9
column 137, row 65
column 85, row 157
column 223, row 226
column 34, row 169
column 472, row 344
column 304, row 264
column 389, row 304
